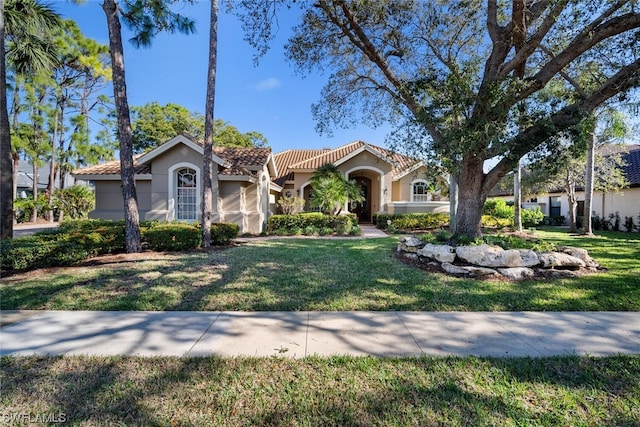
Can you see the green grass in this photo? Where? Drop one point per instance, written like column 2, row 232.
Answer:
column 344, row 391
column 324, row 274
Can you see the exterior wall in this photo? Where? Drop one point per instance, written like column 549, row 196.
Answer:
column 109, row 203
column 161, row 205
column 626, row 202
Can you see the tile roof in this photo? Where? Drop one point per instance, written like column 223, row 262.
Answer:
column 290, row 157
column 112, row 168
column 240, row 159
column 632, row 167
column 288, row 161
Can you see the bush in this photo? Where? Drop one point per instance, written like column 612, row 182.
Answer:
column 531, row 217
column 171, row 236
column 628, row 224
column 411, row 221
column 490, row 221
column 291, row 205
column 311, row 223
column 498, row 208
column 554, row 220
column 75, row 201
column 223, row 232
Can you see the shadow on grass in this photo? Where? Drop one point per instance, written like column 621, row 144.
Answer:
column 304, row 274
column 334, row 391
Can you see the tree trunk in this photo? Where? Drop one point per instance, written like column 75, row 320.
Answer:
column 453, row 200
column 127, row 171
column 6, row 162
column 207, row 170
column 34, row 189
column 517, row 198
column 588, row 182
column 471, row 198
column 52, row 166
column 573, row 203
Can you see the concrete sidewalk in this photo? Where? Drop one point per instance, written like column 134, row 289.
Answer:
column 300, row 334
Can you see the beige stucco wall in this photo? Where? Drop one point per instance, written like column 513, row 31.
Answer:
column 109, row 202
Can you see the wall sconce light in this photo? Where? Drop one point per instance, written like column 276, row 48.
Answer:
column 385, row 190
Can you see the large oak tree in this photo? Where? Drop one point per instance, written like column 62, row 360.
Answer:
column 468, row 77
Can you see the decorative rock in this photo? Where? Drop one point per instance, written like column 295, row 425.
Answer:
column 495, row 256
column 481, row 271
column 410, row 255
column 453, row 269
column 579, row 253
column 529, row 257
column 442, row 253
column 517, row 273
column 410, row 244
column 560, row 260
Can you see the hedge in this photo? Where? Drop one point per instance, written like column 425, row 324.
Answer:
column 410, row 221
column 77, row 240
column 311, row 223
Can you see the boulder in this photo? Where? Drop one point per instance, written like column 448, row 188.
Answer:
column 579, row 253
column 480, row 271
column 442, row 253
column 495, row 256
column 453, row 269
column 560, row 260
column 529, row 258
column 410, row 244
column 516, row 273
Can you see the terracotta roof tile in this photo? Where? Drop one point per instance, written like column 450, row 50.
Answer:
column 112, row 168
column 287, row 158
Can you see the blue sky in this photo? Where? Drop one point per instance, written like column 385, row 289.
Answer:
column 269, row 98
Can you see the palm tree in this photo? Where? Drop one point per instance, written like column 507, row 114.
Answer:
column 146, row 18
column 207, row 170
column 25, row 24
column 331, row 190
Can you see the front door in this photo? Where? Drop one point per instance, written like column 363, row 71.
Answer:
column 362, row 209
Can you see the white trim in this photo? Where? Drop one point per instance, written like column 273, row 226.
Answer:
column 113, row 177
column 243, row 178
column 171, row 205
column 367, row 148
column 180, row 139
column 408, row 171
column 381, row 200
column 412, row 192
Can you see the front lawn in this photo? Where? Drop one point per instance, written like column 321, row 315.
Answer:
column 340, row 391
column 323, row 274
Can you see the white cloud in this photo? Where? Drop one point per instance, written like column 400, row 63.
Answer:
column 267, row 84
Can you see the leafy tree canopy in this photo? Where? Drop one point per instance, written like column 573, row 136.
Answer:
column 465, row 79
column 154, row 124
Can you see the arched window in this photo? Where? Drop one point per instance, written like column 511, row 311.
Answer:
column 186, row 193
column 420, row 190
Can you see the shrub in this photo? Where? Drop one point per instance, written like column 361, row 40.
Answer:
column 554, row 220
column 75, row 201
column 628, row 224
column 171, row 236
column 531, row 217
column 494, row 222
column 498, row 208
column 291, row 205
column 223, row 232
column 28, row 252
column 311, row 224
column 411, row 221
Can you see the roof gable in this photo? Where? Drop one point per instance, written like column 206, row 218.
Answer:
column 180, row 139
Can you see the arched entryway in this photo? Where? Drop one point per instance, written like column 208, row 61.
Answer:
column 362, row 209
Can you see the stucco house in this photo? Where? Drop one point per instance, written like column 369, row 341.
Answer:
column 626, row 202
column 247, row 182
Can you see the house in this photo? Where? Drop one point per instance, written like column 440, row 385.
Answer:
column 390, row 182
column 247, row 182
column 626, row 201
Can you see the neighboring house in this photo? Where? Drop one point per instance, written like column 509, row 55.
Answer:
column 247, row 182
column 168, row 184
column 626, row 201
column 24, row 184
